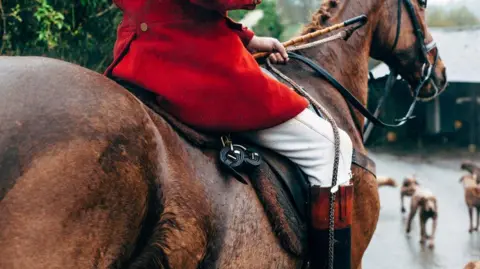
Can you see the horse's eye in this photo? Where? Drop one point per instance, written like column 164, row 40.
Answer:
column 423, row 3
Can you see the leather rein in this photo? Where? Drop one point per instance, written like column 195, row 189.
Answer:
column 360, row 159
column 427, row 67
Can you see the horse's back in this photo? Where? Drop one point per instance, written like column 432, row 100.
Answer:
column 73, row 157
column 38, row 83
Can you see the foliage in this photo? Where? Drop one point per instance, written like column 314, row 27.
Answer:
column 82, row 31
column 237, row 15
column 297, row 11
column 457, row 16
column 269, row 25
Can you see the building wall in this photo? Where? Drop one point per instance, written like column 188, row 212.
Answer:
column 466, row 109
column 451, row 118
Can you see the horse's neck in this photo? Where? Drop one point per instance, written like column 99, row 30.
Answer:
column 350, row 68
column 348, row 63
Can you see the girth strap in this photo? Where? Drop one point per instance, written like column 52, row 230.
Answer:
column 363, row 161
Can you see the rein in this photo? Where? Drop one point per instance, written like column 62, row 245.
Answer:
column 329, row 118
column 427, row 68
column 362, row 19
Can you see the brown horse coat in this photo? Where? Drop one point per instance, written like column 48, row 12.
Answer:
column 89, row 178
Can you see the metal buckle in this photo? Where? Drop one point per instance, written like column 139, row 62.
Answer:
column 226, row 140
column 430, row 46
column 426, row 75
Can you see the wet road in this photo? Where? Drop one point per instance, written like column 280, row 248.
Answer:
column 391, row 248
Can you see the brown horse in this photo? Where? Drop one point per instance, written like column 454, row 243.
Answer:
column 91, row 178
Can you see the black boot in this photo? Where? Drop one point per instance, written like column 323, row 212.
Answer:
column 319, row 227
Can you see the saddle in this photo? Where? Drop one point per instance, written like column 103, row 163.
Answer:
column 281, row 186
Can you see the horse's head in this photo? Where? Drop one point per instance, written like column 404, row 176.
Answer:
column 402, row 40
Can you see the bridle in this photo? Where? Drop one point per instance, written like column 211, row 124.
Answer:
column 427, row 66
column 427, row 74
column 352, row 101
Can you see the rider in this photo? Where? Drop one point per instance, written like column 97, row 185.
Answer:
column 199, row 63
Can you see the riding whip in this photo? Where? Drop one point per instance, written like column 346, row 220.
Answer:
column 362, row 19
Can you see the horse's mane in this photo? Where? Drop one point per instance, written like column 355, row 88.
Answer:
column 321, row 16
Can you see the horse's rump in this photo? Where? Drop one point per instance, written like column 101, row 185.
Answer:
column 90, row 177
column 280, row 185
column 76, row 163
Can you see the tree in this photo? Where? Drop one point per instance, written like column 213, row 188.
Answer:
column 458, row 16
column 269, row 25
column 82, row 32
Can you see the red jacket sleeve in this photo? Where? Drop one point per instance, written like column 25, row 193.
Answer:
column 243, row 32
column 225, row 5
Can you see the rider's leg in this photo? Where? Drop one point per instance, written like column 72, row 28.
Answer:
column 308, row 141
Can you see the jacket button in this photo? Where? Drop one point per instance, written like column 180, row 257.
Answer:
column 143, row 27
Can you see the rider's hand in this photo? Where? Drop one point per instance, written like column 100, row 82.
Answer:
column 269, row 44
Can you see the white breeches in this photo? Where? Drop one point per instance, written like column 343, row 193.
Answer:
column 308, row 141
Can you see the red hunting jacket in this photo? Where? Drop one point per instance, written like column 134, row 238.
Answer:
column 194, row 57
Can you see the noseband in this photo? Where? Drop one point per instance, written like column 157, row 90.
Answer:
column 425, row 49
